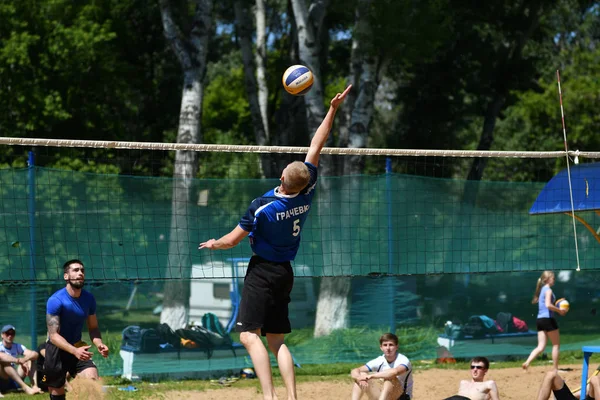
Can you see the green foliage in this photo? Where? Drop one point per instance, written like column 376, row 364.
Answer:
column 534, row 121
column 90, row 70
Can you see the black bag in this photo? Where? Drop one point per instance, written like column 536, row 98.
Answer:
column 505, row 322
column 141, row 340
column 167, row 335
column 474, row 327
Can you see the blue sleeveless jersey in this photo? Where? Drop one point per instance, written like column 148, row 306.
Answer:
column 543, row 311
column 275, row 221
column 72, row 311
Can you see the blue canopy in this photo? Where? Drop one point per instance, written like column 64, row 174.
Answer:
column 554, row 197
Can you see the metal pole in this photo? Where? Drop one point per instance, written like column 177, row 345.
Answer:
column 31, row 181
column 392, row 292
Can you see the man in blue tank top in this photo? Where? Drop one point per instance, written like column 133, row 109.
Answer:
column 66, row 312
column 274, row 224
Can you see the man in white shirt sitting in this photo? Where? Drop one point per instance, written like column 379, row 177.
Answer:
column 392, row 367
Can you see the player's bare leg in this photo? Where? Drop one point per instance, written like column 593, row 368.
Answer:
column 594, row 387
column 8, row 372
column 89, row 373
column 27, row 370
column 391, row 389
column 552, row 381
column 554, row 337
column 285, row 362
column 260, row 360
column 542, row 340
column 370, row 388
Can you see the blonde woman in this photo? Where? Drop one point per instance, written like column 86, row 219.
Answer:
column 546, row 323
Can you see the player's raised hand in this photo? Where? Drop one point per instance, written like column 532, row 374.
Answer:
column 103, row 350
column 339, row 98
column 82, row 353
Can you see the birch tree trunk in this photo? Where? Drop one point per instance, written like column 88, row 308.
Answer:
column 244, row 32
column 191, row 51
column 309, row 22
column 261, row 63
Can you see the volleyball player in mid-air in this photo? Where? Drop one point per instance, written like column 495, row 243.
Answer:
column 274, row 223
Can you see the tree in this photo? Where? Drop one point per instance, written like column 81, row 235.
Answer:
column 261, row 62
column 191, row 50
column 309, row 23
column 90, row 70
column 534, row 120
column 256, row 98
column 333, row 305
column 370, row 54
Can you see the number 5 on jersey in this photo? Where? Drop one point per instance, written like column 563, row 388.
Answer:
column 296, row 230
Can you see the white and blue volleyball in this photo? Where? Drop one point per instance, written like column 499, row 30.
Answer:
column 297, row 80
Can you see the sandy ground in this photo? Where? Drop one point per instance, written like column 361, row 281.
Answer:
column 513, row 383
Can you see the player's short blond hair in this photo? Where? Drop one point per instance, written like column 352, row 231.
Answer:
column 296, row 177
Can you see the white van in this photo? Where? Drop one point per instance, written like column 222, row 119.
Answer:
column 213, row 288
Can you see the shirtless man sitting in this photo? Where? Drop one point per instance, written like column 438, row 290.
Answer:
column 477, row 388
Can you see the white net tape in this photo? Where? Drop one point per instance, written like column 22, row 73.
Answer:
column 225, row 148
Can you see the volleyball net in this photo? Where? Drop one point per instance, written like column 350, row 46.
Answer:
column 420, row 244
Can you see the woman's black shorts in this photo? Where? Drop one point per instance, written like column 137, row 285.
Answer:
column 546, row 324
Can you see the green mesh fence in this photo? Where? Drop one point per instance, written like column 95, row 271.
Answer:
column 359, row 225
column 418, row 306
column 446, row 260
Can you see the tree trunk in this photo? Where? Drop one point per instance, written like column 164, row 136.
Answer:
column 309, row 22
column 332, row 308
column 191, row 52
column 261, row 63
column 366, row 72
column 244, row 31
column 487, row 136
column 365, row 76
column 290, row 115
column 502, row 87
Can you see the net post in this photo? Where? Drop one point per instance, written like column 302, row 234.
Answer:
column 388, row 188
column 31, row 184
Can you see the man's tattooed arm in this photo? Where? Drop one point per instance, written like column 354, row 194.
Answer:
column 53, row 324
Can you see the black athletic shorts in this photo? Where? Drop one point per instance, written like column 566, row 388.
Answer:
column 265, row 297
column 39, row 363
column 565, row 394
column 546, row 324
column 58, row 363
column 457, row 397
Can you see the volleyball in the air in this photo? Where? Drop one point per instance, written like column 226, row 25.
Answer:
column 563, row 304
column 297, row 80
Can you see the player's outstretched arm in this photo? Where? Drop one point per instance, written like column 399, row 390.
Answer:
column 322, row 133
column 228, row 241
column 96, row 336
